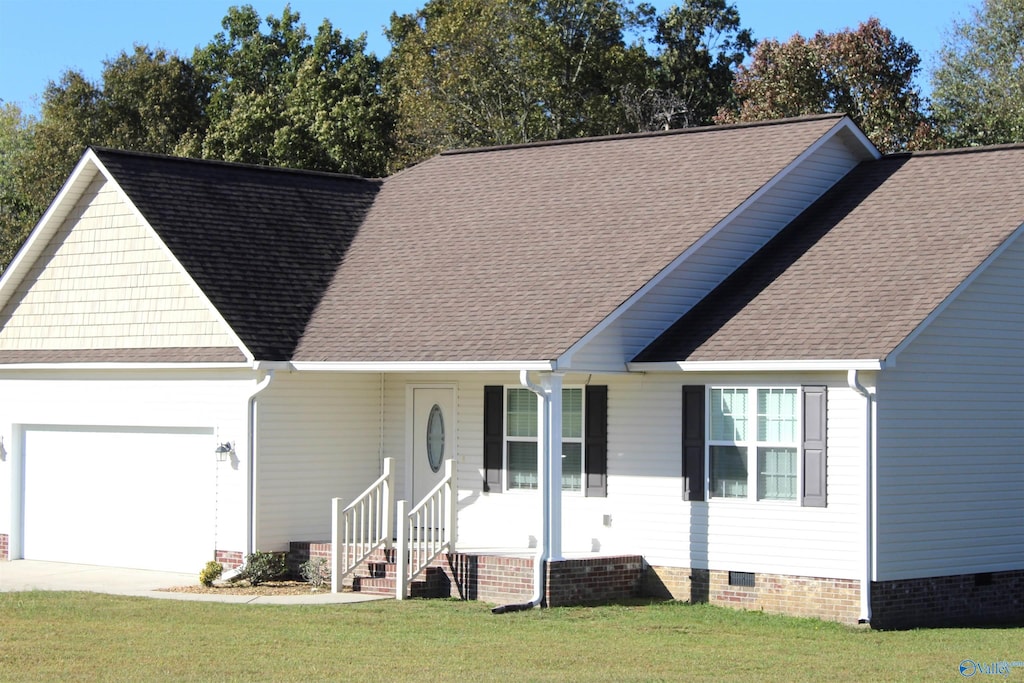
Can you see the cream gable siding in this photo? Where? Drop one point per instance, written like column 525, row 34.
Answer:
column 645, row 510
column 195, row 400
column 679, row 290
column 105, row 282
column 319, row 438
column 951, row 436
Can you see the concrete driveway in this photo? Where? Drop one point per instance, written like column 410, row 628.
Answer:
column 29, row 575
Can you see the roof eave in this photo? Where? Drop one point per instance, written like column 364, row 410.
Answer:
column 813, row 365
column 424, row 366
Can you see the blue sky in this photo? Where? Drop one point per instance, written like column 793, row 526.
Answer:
column 40, row 39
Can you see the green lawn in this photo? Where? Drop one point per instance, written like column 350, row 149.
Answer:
column 82, row 636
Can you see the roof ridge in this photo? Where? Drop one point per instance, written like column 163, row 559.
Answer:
column 644, row 134
column 100, row 150
column 959, row 150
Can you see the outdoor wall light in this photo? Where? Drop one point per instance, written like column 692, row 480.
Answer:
column 224, row 451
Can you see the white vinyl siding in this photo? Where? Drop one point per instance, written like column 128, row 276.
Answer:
column 644, row 512
column 709, row 265
column 951, row 436
column 319, row 438
column 105, row 282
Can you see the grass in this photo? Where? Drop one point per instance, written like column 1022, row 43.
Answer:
column 83, row 636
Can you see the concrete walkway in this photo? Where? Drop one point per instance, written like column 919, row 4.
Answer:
column 29, row 575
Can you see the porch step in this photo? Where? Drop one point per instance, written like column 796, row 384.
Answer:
column 433, row 583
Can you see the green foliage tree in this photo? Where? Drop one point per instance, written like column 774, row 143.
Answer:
column 284, row 99
column 978, row 86
column 867, row 73
column 16, row 131
column 483, row 72
column 701, row 45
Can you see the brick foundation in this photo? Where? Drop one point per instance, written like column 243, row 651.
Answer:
column 4, row 547
column 229, row 558
column 798, row 596
column 961, row 600
column 300, row 552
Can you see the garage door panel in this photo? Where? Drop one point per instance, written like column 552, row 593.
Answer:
column 122, row 497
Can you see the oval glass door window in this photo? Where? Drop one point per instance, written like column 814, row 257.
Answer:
column 435, row 438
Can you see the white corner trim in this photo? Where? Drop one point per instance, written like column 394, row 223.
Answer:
column 955, row 294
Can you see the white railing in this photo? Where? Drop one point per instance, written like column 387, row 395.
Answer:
column 362, row 527
column 426, row 531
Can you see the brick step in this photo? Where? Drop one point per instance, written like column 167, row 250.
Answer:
column 433, row 583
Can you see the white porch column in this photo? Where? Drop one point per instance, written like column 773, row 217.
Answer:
column 553, row 451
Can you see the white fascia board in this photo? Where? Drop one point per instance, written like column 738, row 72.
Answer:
column 73, row 188
column 759, row 365
column 844, row 125
column 18, row 367
column 955, row 294
column 177, row 264
column 417, row 366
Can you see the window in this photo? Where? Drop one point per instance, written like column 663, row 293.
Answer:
column 521, row 438
column 753, row 442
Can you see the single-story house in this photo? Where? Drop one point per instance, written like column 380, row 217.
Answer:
column 759, row 365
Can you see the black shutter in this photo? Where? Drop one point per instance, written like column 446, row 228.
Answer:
column 596, row 436
column 494, row 437
column 814, row 449
column 693, row 442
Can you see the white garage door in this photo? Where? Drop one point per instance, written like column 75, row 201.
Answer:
column 120, row 497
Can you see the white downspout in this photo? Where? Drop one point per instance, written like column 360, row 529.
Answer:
column 545, row 418
column 250, row 523
column 250, row 496
column 869, row 495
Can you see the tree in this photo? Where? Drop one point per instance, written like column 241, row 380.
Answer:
column 16, row 131
column 484, row 72
column 978, row 87
column 701, row 46
column 282, row 99
column 867, row 73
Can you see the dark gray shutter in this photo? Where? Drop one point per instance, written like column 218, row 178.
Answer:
column 494, row 437
column 693, row 442
column 814, row 450
column 596, row 447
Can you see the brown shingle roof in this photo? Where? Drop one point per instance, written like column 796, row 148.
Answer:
column 864, row 266
column 516, row 253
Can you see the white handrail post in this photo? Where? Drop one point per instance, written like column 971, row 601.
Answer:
column 388, row 522
column 337, row 514
column 401, row 552
column 451, row 503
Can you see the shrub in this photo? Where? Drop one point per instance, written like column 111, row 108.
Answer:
column 261, row 567
column 316, row 572
column 211, row 572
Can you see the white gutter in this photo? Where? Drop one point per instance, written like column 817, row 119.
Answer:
column 824, row 365
column 549, row 478
column 422, row 366
column 869, row 495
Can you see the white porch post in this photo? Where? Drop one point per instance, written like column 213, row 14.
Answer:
column 553, row 451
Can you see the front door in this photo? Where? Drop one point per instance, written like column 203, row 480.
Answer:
column 432, row 437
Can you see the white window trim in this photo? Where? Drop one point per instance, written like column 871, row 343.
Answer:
column 506, row 439
column 752, row 444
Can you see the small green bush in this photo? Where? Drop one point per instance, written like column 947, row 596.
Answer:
column 211, row 572
column 316, row 572
column 261, row 567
